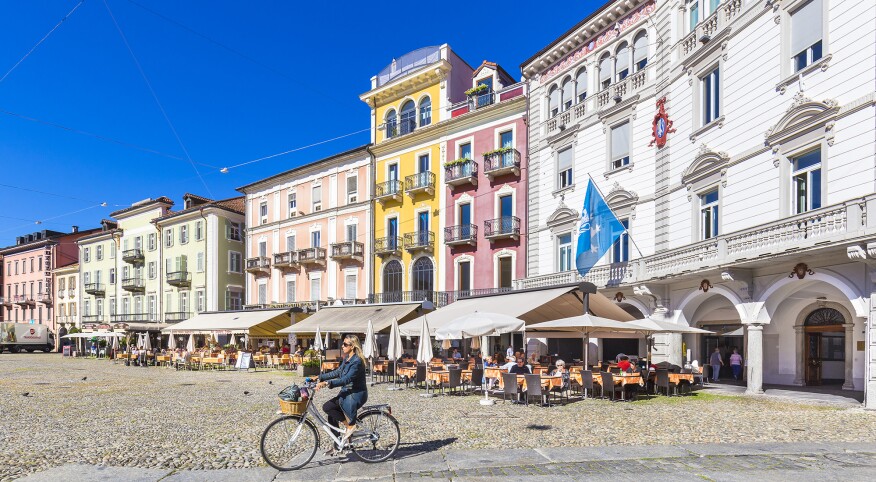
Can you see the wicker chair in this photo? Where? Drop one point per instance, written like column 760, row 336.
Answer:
column 608, row 384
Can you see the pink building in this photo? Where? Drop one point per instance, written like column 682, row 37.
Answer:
column 485, row 180
column 27, row 274
column 308, row 236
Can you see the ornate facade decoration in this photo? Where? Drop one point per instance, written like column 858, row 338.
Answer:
column 800, row 271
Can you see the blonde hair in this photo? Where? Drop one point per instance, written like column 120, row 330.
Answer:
column 356, row 346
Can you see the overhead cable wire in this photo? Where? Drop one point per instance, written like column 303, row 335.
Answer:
column 41, row 41
column 47, row 193
column 155, row 97
column 226, row 169
column 42, row 221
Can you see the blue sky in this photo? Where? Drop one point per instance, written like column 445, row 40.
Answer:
column 237, row 80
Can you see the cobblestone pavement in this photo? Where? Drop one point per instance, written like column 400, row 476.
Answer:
column 97, row 413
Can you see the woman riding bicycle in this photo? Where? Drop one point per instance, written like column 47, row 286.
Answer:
column 354, row 392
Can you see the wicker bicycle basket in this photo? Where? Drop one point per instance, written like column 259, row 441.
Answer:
column 292, row 408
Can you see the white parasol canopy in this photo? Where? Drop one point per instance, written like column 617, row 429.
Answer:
column 190, row 346
column 115, row 343
column 394, row 350
column 370, row 345
column 147, row 345
column 233, row 340
column 650, row 326
column 424, row 352
column 586, row 324
column 171, row 342
column 317, row 341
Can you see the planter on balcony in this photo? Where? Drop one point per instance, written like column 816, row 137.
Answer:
column 461, row 171
column 502, row 161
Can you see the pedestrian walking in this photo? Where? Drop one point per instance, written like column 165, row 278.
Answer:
column 717, row 362
column 736, row 364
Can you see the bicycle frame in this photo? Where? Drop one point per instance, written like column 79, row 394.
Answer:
column 324, row 424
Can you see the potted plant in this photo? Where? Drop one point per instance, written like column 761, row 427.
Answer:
column 310, row 365
column 478, row 89
column 456, row 162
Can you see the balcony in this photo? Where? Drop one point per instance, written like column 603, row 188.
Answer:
column 459, row 235
column 23, row 300
column 133, row 285
column 710, row 30
column 311, row 305
column 461, row 171
column 62, row 294
column 420, row 241
column 44, row 298
column 95, row 289
column 289, row 259
column 420, row 182
column 348, row 250
column 133, row 256
column 501, row 162
column 6, row 301
column 481, row 99
column 179, row 279
column 176, row 316
column 71, row 293
column 387, row 246
column 92, row 318
column 129, row 318
column 438, row 298
column 312, row 256
column 506, row 227
column 388, row 191
column 259, row 264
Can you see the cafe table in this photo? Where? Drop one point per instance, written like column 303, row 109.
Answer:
column 328, row 366
column 410, row 372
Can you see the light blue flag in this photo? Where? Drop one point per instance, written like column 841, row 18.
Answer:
column 598, row 230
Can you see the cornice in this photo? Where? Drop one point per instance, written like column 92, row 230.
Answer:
column 413, row 81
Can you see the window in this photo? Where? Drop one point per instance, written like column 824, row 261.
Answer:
column 98, row 253
column 61, row 283
column 151, row 242
column 620, row 146
column 126, row 272
column 391, row 124
column 31, row 263
column 352, row 188
column 263, row 212
column 315, row 239
column 408, row 118
column 168, row 237
column 151, row 271
column 350, row 285
column 640, row 51
column 183, row 302
column 622, row 62
column 465, row 150
column 464, row 276
column 86, row 254
column 112, row 251
column 693, row 14
column 564, row 255
column 568, row 94
column 184, row 234
column 200, row 265
column 86, row 278
column 709, row 214
column 316, row 198
column 199, row 230
column 263, row 248
column 351, row 232
column 235, row 262
column 605, row 71
column 199, row 301
column 290, row 242
column 293, row 204
column 423, row 163
column 806, row 34
column 620, row 250
column 806, row 181
column 710, row 87
column 232, row 231
column 423, row 274
column 554, row 101
column 233, row 300
column 112, row 276
column 315, row 289
column 564, row 168
column 581, row 85
column 138, row 305
column 425, row 112
column 100, row 308
column 392, row 277
column 290, row 290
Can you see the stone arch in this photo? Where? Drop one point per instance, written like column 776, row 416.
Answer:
column 693, row 300
column 782, row 288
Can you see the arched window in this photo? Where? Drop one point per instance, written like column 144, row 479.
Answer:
column 425, row 111
column 568, row 93
column 605, row 71
column 824, row 317
column 392, row 280
column 622, row 62
column 554, row 101
column 423, row 275
column 408, row 118
column 640, row 50
column 581, row 85
column 391, row 124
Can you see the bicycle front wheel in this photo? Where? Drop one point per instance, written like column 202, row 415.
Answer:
column 289, row 443
column 377, row 437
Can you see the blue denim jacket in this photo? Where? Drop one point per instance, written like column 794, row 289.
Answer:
column 351, row 377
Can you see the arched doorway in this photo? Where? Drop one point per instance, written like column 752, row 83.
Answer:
column 392, row 282
column 824, row 348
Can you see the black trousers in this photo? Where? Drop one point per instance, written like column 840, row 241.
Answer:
column 332, row 409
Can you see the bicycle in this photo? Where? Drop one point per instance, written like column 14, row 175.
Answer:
column 291, row 441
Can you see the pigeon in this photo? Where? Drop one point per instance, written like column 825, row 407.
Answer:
column 84, row 378
column 25, row 394
column 270, row 382
column 246, row 393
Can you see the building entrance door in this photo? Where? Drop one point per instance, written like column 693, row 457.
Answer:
column 813, row 359
column 824, row 349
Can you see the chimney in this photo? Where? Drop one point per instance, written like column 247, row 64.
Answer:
column 75, row 229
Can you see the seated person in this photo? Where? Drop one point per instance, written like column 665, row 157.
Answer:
column 456, row 354
column 562, row 372
column 533, row 358
column 625, row 365
column 298, row 350
column 285, row 350
column 520, row 368
column 509, row 363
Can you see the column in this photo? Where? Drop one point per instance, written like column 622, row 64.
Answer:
column 850, row 354
column 800, row 350
column 755, row 360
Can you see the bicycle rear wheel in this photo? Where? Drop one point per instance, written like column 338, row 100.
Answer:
column 287, row 444
column 377, row 437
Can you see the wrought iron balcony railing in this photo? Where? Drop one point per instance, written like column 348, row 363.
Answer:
column 133, row 284
column 420, row 240
column 387, row 246
column 461, row 173
column 420, row 182
column 505, row 161
column 176, row 316
column 96, row 289
column 133, row 256
column 464, row 234
column 387, row 191
column 504, row 227
column 179, row 278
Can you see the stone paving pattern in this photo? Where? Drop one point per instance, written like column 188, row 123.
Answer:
column 161, row 421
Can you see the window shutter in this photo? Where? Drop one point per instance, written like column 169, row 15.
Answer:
column 605, row 69
column 351, row 282
column 568, row 92
column 581, row 82
column 620, row 141
column 168, row 267
column 623, row 59
column 641, row 48
column 554, row 98
column 565, row 159
column 806, row 26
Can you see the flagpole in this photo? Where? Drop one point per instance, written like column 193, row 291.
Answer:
column 627, row 230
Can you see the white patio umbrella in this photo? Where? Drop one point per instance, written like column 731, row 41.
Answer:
column 394, row 350
column 171, row 341
column 233, row 341
column 424, row 352
column 147, row 345
column 190, row 346
column 317, row 341
column 586, row 325
column 115, row 343
column 327, row 339
column 368, row 350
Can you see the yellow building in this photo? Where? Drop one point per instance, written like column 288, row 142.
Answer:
column 409, row 98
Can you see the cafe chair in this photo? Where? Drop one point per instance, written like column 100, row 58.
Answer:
column 454, row 380
column 420, row 377
column 534, row 389
column 608, row 384
column 663, row 382
column 510, row 386
column 586, row 383
column 477, row 377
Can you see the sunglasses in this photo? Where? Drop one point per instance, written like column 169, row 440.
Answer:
column 346, row 344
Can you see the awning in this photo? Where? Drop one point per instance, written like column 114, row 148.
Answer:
column 354, row 318
column 531, row 306
column 255, row 323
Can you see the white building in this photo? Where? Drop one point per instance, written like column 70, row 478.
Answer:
column 752, row 220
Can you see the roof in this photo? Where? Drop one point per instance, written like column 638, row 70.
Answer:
column 531, row 306
column 494, row 65
column 408, row 62
column 264, row 323
column 354, row 318
column 234, row 204
column 138, row 205
column 567, row 33
column 305, row 166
